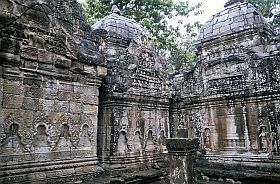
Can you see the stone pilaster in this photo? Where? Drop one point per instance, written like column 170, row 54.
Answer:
column 182, row 153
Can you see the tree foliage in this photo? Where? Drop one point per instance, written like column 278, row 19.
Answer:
column 270, row 10
column 176, row 42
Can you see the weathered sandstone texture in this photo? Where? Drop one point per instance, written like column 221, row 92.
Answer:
column 50, row 72
column 135, row 98
column 82, row 104
column 230, row 100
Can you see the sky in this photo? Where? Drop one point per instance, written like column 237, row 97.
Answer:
column 210, row 7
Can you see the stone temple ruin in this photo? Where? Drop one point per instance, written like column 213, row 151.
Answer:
column 82, row 104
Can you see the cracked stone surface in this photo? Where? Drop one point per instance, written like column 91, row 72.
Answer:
column 230, row 100
column 82, row 104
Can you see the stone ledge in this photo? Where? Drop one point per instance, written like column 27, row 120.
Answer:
column 182, row 145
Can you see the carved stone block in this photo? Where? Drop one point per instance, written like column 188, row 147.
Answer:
column 75, row 107
column 50, row 93
column 62, row 63
column 12, row 101
column 61, row 106
column 65, row 95
column 12, row 87
column 30, row 104
column 45, row 57
column 29, row 53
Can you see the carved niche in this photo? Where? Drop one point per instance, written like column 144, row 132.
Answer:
column 150, row 146
column 12, row 144
column 64, row 138
column 263, row 139
column 137, row 143
column 41, row 141
column 122, row 148
column 207, row 140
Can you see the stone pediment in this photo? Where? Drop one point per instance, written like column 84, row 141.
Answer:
column 134, row 67
column 139, row 71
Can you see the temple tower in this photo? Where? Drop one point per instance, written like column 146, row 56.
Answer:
column 135, row 97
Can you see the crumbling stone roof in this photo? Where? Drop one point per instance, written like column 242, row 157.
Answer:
column 232, row 2
column 236, row 17
column 119, row 26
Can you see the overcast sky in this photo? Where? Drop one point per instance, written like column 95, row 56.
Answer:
column 210, row 8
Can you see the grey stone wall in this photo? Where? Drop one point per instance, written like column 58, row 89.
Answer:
column 61, row 110
column 230, row 100
column 134, row 107
column 51, row 70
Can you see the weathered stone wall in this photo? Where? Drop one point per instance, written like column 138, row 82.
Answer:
column 230, row 101
column 134, row 106
column 50, row 73
column 55, row 122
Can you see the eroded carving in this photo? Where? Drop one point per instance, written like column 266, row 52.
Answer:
column 207, row 138
column 41, row 141
column 64, row 138
column 84, row 140
column 150, row 142
column 12, row 144
column 162, row 141
column 122, row 143
column 137, row 143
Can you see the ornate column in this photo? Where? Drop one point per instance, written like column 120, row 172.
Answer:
column 182, row 153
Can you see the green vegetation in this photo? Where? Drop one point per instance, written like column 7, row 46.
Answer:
column 174, row 42
column 270, row 10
